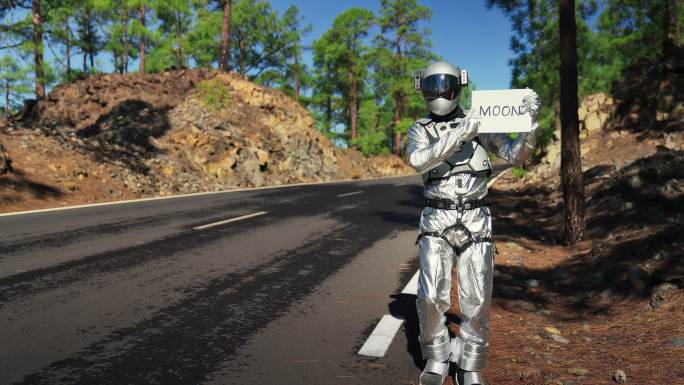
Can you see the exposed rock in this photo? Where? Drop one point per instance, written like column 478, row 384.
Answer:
column 560, row 339
column 661, row 293
column 619, row 376
column 160, row 134
column 672, row 189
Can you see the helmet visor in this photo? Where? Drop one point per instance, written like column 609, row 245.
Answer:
column 440, row 86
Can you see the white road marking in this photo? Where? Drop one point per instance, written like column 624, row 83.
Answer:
column 348, row 194
column 399, row 184
column 382, row 336
column 379, row 341
column 230, row 220
column 412, row 285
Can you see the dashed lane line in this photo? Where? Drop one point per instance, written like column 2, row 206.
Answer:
column 349, row 193
column 380, row 339
column 230, row 220
column 412, row 285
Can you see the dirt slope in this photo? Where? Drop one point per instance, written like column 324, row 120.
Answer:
column 113, row 137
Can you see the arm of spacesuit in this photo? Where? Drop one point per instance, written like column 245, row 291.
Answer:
column 423, row 156
column 515, row 151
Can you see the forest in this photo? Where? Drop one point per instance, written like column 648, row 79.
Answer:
column 359, row 86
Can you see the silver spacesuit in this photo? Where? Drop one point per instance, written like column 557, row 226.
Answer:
column 456, row 222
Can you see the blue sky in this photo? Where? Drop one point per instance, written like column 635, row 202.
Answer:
column 464, row 32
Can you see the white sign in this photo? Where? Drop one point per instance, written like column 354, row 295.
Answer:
column 502, row 111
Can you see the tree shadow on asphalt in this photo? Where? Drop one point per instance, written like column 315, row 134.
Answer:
column 608, row 269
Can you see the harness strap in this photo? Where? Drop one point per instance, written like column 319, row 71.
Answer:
column 447, row 204
column 458, row 205
column 458, row 250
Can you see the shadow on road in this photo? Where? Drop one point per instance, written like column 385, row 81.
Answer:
column 404, row 306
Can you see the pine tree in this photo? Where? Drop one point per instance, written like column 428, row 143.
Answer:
column 60, row 23
column 13, row 83
column 326, row 88
column 171, row 48
column 138, row 28
column 294, row 29
column 401, row 33
column 346, row 52
column 117, row 15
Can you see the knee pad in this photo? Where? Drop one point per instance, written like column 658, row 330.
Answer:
column 469, row 357
column 438, row 349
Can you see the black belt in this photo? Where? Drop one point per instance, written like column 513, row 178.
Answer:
column 446, row 204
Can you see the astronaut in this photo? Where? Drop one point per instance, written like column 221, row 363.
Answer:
column 455, row 224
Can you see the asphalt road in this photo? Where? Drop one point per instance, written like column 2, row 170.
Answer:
column 143, row 293
column 134, row 294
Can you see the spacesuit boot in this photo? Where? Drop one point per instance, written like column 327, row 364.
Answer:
column 437, row 365
column 472, row 357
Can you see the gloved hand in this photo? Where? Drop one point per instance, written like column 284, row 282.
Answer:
column 531, row 104
column 469, row 126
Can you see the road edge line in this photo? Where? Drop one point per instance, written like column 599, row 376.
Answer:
column 196, row 194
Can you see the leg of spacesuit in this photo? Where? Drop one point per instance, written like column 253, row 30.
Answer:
column 434, row 286
column 475, row 278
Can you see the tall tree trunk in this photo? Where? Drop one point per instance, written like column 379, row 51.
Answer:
column 241, row 55
column 85, row 61
column 353, row 102
column 296, row 77
column 7, row 95
column 180, row 53
column 118, row 67
column 68, row 55
column 142, row 38
column 571, row 168
column 398, row 97
column 125, row 37
column 38, row 50
column 241, row 58
column 89, row 37
column 328, row 107
column 225, row 35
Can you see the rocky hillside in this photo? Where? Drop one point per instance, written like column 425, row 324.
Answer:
column 126, row 136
